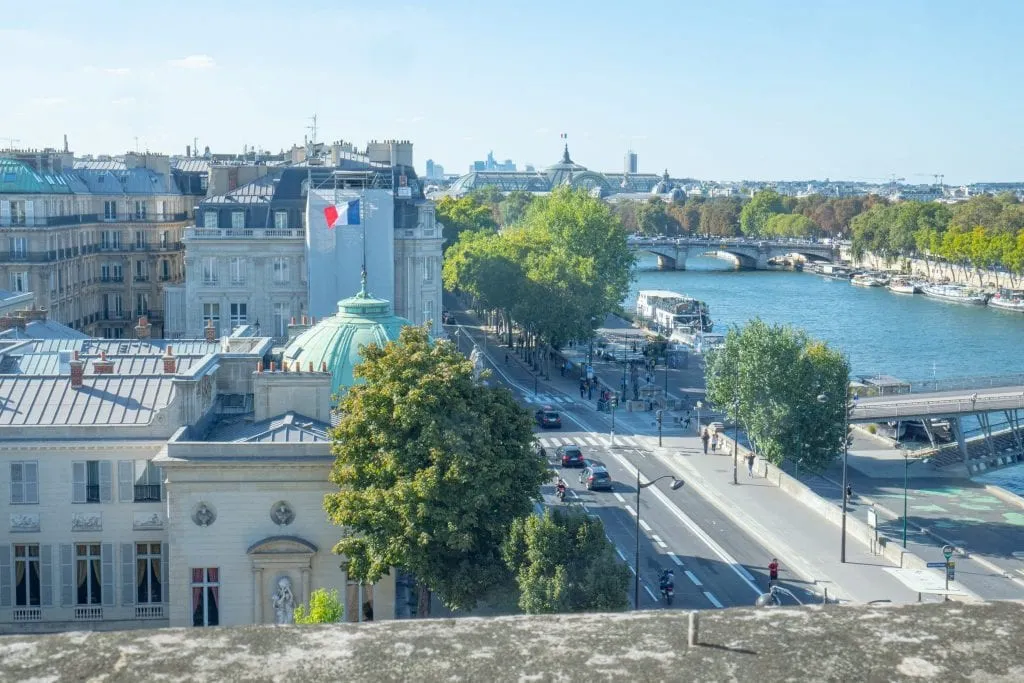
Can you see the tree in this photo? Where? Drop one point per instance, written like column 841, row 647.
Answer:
column 769, row 377
column 324, row 608
column 563, row 562
column 431, row 467
column 758, row 210
column 514, row 205
column 464, row 213
column 653, row 218
column 720, row 217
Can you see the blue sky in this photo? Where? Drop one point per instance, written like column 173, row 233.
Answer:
column 783, row 89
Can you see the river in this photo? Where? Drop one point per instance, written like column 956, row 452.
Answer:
column 909, row 337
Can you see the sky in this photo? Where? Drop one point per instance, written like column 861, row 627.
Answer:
column 776, row 89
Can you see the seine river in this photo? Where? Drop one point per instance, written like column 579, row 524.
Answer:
column 909, row 337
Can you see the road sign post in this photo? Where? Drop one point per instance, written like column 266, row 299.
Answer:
column 873, row 523
column 947, row 552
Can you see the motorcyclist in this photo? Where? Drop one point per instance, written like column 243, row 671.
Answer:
column 560, row 489
column 667, row 581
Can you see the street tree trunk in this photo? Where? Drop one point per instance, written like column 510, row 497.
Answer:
column 423, row 603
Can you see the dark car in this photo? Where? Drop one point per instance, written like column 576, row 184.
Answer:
column 596, row 477
column 548, row 417
column 570, row 456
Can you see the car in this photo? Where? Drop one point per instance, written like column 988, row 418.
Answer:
column 570, row 456
column 596, row 477
column 548, row 417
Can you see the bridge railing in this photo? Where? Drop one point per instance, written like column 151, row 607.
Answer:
column 951, row 405
column 964, row 383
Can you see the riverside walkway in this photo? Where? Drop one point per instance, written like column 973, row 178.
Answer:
column 938, row 404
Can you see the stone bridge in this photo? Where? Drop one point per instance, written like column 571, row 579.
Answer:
column 746, row 254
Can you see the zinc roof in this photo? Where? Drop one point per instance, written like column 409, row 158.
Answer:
column 102, row 400
column 288, row 428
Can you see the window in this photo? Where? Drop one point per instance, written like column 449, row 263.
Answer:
column 237, row 220
column 140, row 210
column 210, row 219
column 281, row 270
column 428, row 271
column 24, row 482
column 428, row 311
column 141, row 271
column 138, row 481
column 27, row 576
column 113, row 306
column 163, row 239
column 141, row 304
column 110, row 210
column 19, row 281
column 211, row 313
column 205, row 597
column 140, row 239
column 110, row 239
column 238, row 315
column 165, row 269
column 237, row 270
column 111, row 272
column 148, row 573
column 203, row 182
column 19, row 247
column 282, row 315
column 209, row 271
column 88, row 574
column 90, row 481
column 281, row 220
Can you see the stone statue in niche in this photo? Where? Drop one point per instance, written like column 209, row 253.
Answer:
column 282, row 514
column 284, row 602
column 204, row 516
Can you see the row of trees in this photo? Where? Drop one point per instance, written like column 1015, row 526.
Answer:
column 484, row 209
column 985, row 232
column 437, row 474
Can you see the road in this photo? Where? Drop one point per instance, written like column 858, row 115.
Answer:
column 716, row 564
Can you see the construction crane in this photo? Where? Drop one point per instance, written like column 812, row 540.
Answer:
column 937, row 177
column 10, row 143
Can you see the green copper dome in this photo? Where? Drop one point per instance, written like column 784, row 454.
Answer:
column 337, row 340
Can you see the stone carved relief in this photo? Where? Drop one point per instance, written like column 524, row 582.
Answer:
column 25, row 522
column 281, row 513
column 87, row 521
column 204, row 515
column 143, row 521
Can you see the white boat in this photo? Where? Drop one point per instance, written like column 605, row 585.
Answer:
column 1008, row 300
column 698, row 342
column 865, row 280
column 957, row 294
column 903, row 286
column 670, row 310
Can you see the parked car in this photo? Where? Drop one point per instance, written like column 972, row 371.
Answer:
column 548, row 417
column 570, row 456
column 595, row 478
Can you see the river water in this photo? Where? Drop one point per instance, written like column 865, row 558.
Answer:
column 910, row 337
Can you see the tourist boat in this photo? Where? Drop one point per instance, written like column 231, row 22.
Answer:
column 1008, row 300
column 866, row 280
column 902, row 285
column 833, row 272
column 670, row 310
column 696, row 341
column 957, row 294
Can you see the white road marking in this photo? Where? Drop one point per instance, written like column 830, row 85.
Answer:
column 657, row 539
column 693, row 577
column 591, row 441
column 675, row 558
column 650, row 592
column 714, row 601
column 630, row 510
column 618, row 497
column 646, row 527
column 622, row 555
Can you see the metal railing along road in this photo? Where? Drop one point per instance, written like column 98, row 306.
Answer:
column 869, row 410
column 958, row 383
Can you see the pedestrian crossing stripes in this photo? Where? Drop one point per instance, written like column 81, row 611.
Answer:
column 549, row 399
column 596, row 441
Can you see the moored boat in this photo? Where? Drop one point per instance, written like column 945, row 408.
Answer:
column 865, row 280
column 904, row 286
column 957, row 294
column 1008, row 300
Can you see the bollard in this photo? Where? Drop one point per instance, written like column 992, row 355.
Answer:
column 825, row 602
column 693, row 638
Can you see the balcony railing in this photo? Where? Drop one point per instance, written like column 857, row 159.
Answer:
column 88, row 613
column 141, row 278
column 111, row 278
column 149, row 611
column 235, row 233
column 147, row 493
column 28, row 614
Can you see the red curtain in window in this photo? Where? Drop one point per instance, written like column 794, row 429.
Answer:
column 197, row 588
column 213, row 576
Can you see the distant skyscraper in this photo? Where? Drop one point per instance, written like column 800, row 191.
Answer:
column 630, row 165
column 435, row 171
column 430, row 168
column 507, row 166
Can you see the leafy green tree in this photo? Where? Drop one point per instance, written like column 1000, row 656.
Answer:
column 754, row 216
column 653, row 218
column 790, row 225
column 324, row 608
column 431, row 467
column 461, row 214
column 769, row 377
column 720, row 217
column 514, row 205
column 563, row 562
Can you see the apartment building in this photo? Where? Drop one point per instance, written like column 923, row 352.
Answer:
column 94, row 241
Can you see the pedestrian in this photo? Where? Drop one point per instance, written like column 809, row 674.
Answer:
column 590, row 391
column 750, row 464
column 714, row 441
column 686, row 424
column 849, row 492
column 506, row 358
column 773, row 573
column 704, row 437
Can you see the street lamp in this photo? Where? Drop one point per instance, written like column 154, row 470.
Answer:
column 614, row 401
column 735, row 440
column 848, row 406
column 675, row 486
column 906, row 485
column 700, row 404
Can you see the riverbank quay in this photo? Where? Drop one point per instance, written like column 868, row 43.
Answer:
column 802, row 542
column 935, row 271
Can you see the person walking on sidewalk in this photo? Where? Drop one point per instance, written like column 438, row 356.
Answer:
column 773, row 573
column 704, row 438
column 750, row 464
column 714, row 441
column 582, row 389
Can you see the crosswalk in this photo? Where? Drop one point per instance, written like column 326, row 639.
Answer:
column 599, row 440
column 548, row 399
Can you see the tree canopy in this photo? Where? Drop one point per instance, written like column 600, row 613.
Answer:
column 769, row 377
column 431, row 467
column 462, row 214
column 563, row 562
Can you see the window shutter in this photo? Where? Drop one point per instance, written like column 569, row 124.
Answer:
column 5, row 212
column 107, row 558
column 46, row 575
column 5, row 575
column 127, row 574
column 77, row 483
column 67, row 593
column 31, row 471
column 30, row 212
column 165, row 572
column 126, row 480
column 106, row 494
column 17, row 479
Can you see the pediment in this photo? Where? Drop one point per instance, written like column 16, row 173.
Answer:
column 282, row 545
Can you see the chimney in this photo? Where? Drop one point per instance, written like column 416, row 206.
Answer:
column 170, row 362
column 6, row 323
column 295, row 329
column 35, row 314
column 143, row 329
column 103, row 366
column 77, row 371
column 259, row 367
column 210, row 332
column 19, row 320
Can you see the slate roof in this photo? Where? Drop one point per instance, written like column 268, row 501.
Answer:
column 127, row 181
column 288, row 428
column 50, row 364
column 102, row 400
column 191, row 165
column 43, row 329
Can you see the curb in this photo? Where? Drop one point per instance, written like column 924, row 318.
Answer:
column 1005, row 495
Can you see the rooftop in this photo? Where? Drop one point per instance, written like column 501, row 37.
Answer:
column 288, row 428
column 950, row 641
column 44, row 400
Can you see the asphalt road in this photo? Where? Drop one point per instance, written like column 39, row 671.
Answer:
column 716, row 563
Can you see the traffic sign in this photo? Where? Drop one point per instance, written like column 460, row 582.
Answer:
column 936, row 565
column 947, row 550
column 950, row 571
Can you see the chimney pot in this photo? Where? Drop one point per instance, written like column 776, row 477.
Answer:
column 170, row 362
column 293, row 320
column 311, row 366
column 77, row 372
column 210, row 333
column 272, row 366
column 259, row 367
column 323, row 366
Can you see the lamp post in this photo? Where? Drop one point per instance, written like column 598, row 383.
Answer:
column 848, row 406
column 700, row 404
column 735, row 440
column 661, row 417
column 614, row 401
column 675, row 486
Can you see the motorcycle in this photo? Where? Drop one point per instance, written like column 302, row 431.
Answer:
column 667, row 587
column 560, row 494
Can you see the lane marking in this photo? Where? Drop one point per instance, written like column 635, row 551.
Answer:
column 630, row 510
column 691, row 576
column 657, row 539
column 622, row 555
column 714, row 601
column 645, row 526
column 675, row 558
column 650, row 592
column 591, row 441
column 618, row 497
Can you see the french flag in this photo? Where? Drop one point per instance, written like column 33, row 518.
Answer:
column 346, row 213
